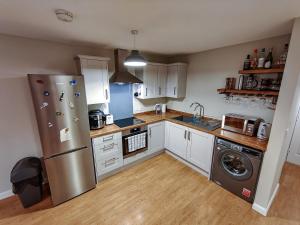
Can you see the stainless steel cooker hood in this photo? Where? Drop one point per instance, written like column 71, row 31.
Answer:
column 121, row 74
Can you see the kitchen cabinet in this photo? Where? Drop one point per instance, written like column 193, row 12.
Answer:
column 162, row 80
column 176, row 139
column 108, row 153
column 176, row 80
column 156, row 134
column 95, row 72
column 200, row 149
column 196, row 147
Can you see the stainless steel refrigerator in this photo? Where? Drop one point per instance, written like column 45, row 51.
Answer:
column 62, row 116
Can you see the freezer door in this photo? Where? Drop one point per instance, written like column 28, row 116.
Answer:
column 70, row 174
column 61, row 112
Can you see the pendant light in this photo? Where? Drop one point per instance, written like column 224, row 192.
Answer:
column 135, row 59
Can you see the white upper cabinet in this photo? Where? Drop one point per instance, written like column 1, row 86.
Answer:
column 96, row 78
column 162, row 80
column 161, row 86
column 176, row 80
column 150, row 81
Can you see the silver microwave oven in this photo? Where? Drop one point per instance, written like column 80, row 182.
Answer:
column 242, row 124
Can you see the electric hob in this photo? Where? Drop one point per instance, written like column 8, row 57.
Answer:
column 128, row 122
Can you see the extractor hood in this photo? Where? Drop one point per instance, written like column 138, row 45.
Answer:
column 121, row 74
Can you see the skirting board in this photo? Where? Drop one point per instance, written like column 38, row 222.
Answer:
column 264, row 211
column 188, row 164
column 6, row 194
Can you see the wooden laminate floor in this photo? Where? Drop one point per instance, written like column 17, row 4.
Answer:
column 160, row 191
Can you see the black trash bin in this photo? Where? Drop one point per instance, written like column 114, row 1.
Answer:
column 26, row 177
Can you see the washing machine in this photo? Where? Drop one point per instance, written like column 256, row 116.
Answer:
column 236, row 168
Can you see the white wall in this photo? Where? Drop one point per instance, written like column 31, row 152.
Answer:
column 18, row 129
column 284, row 119
column 207, row 72
column 18, row 57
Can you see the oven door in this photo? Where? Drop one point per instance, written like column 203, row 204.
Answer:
column 135, row 143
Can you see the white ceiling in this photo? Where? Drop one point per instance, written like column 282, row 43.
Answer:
column 165, row 26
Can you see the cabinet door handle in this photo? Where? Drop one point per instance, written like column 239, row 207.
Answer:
column 159, row 90
column 150, row 132
column 185, row 134
column 106, row 94
column 108, row 138
column 174, row 90
column 146, row 91
column 108, row 147
column 189, row 135
column 110, row 162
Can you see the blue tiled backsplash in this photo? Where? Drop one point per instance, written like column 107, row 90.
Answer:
column 121, row 98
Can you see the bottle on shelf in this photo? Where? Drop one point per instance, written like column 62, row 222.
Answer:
column 282, row 59
column 269, row 59
column 261, row 60
column 254, row 59
column 247, row 63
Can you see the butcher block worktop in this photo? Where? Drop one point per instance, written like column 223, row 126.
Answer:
column 151, row 117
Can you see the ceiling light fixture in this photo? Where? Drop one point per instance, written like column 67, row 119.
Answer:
column 135, row 59
column 64, row 15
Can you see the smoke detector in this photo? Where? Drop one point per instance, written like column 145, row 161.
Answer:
column 64, row 15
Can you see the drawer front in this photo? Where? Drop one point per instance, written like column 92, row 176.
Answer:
column 109, row 163
column 108, row 148
column 107, row 139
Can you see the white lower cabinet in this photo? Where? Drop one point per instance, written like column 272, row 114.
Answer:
column 156, row 137
column 108, row 153
column 194, row 146
column 176, row 140
column 200, row 149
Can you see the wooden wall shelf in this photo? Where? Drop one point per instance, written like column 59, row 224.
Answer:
column 262, row 71
column 248, row 92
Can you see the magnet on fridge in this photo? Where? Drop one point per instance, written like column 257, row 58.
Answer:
column 44, row 104
column 65, row 135
column 61, row 97
column 71, row 104
column 76, row 119
column 73, row 82
column 50, row 124
column 77, row 94
column 40, row 81
column 59, row 113
column 46, row 93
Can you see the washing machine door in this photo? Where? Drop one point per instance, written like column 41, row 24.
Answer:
column 235, row 164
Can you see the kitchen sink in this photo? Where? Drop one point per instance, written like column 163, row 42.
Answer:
column 204, row 122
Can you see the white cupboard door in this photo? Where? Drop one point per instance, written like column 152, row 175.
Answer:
column 96, row 81
column 106, row 83
column 200, row 149
column 150, row 80
column 161, row 81
column 177, row 139
column 156, row 134
column 172, row 81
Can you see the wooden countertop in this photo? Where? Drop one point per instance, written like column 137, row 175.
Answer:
column 252, row 142
column 148, row 117
column 151, row 117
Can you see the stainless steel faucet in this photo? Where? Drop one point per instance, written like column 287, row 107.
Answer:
column 201, row 108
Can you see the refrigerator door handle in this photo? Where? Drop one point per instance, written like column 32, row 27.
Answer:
column 63, row 153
